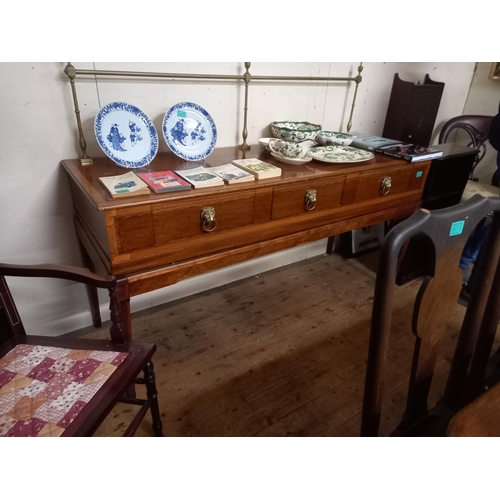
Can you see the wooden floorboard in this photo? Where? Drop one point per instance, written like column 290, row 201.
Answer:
column 282, row 353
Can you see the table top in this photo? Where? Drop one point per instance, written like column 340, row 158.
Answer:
column 87, row 176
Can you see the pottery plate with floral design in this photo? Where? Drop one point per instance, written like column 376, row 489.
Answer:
column 189, row 131
column 340, row 154
column 126, row 135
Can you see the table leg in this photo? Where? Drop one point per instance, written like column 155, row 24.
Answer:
column 92, row 295
column 329, row 245
column 123, row 299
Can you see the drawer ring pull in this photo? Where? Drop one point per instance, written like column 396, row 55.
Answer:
column 385, row 186
column 310, row 200
column 208, row 220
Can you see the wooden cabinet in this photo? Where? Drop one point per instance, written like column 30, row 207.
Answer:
column 157, row 239
column 412, row 110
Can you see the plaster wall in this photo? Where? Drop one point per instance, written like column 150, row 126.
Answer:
column 483, row 99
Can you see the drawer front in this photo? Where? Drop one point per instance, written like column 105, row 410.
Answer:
column 184, row 220
column 304, row 198
column 151, row 226
column 384, row 183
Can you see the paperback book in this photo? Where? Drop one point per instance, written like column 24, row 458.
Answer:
column 165, row 181
column 200, row 177
column 231, row 173
column 128, row 184
column 260, row 169
column 409, row 152
column 372, row 142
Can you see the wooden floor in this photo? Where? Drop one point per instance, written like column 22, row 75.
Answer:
column 278, row 354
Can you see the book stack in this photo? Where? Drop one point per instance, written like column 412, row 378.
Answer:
column 128, row 184
column 232, row 174
column 409, row 152
column 260, row 169
column 164, row 182
column 200, row 177
column 372, row 142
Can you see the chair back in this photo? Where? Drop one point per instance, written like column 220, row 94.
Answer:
column 11, row 325
column 477, row 127
column 446, row 231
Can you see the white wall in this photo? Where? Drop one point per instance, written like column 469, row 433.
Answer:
column 483, row 99
column 38, row 129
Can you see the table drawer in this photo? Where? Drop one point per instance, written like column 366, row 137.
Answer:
column 149, row 226
column 306, row 197
column 384, row 183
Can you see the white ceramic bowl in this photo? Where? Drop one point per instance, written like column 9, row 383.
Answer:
column 325, row 137
column 295, row 131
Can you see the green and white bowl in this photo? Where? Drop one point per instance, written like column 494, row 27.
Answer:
column 295, row 131
column 326, row 137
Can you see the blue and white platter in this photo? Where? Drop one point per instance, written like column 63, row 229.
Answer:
column 189, row 131
column 126, row 135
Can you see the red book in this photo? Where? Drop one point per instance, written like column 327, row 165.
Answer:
column 162, row 182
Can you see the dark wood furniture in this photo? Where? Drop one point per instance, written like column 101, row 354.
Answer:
column 448, row 176
column 446, row 231
column 479, row 418
column 447, row 179
column 412, row 110
column 158, row 239
column 117, row 387
column 477, row 127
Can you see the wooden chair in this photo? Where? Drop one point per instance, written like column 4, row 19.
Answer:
column 61, row 386
column 477, row 127
column 446, row 231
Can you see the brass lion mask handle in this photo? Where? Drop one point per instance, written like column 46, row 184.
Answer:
column 208, row 220
column 310, row 200
column 385, row 186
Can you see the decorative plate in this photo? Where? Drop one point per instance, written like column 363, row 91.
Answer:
column 292, row 161
column 189, row 131
column 340, row 154
column 126, row 135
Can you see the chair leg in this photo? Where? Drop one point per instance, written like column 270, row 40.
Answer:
column 152, row 394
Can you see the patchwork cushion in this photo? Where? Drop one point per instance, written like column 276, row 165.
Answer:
column 43, row 389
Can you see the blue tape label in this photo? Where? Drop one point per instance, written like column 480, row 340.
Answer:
column 181, row 113
column 457, row 227
column 419, row 173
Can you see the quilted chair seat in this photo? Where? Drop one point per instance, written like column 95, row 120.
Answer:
column 61, row 386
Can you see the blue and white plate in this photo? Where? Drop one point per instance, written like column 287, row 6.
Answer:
column 189, row 131
column 126, row 135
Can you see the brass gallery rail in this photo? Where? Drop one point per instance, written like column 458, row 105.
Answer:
column 72, row 72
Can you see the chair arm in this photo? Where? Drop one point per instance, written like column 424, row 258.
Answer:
column 62, row 271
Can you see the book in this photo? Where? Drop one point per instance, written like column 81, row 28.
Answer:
column 260, row 169
column 200, row 177
column 232, row 174
column 128, row 184
column 164, row 181
column 372, row 142
column 409, row 152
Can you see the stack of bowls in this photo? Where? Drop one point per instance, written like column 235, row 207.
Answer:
column 293, row 141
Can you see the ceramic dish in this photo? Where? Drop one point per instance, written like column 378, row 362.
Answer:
column 325, row 137
column 292, row 161
column 340, row 154
column 126, row 135
column 264, row 143
column 295, row 131
column 189, row 131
